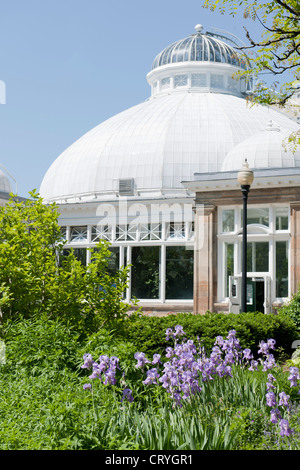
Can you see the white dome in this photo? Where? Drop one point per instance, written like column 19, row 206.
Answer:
column 195, row 116
column 159, row 143
column 5, row 186
column 266, row 149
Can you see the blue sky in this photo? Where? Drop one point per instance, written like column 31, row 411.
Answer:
column 69, row 65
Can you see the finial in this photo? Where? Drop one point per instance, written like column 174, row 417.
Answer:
column 199, row 28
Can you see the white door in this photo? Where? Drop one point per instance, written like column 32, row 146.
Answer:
column 235, row 294
column 267, row 302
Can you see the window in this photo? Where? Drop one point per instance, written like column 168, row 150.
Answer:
column 267, row 248
column 180, row 80
column 257, row 215
column 126, row 232
column 113, row 261
column 63, row 231
column 282, row 218
column 80, row 254
column 282, row 269
column 165, row 83
column 198, row 80
column 217, row 81
column 101, row 232
column 78, row 234
column 229, row 265
column 179, row 273
column 150, row 231
column 258, row 257
column 175, row 230
column 190, row 231
column 145, row 272
column 232, row 84
column 228, row 220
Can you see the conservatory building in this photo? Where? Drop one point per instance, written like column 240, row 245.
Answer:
column 158, row 182
column 5, row 187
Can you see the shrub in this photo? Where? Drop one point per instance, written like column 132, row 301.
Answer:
column 251, row 328
column 292, row 310
column 36, row 278
column 40, row 345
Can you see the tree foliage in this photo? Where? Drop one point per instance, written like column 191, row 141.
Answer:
column 277, row 51
column 36, row 279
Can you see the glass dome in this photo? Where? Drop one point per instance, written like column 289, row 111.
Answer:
column 200, row 47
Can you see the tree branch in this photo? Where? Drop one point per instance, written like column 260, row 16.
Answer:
column 288, row 7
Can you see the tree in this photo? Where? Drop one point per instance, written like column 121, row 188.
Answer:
column 277, row 52
column 37, row 279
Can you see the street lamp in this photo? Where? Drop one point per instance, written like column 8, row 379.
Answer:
column 245, row 178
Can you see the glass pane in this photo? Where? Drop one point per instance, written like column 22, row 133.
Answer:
column 232, row 84
column 165, row 83
column 145, row 272
column 78, row 234
column 198, row 79
column 282, row 269
column 113, row 261
column 190, row 234
column 150, row 231
column 199, row 49
column 175, row 230
column 101, row 232
column 180, row 80
column 63, row 231
column 257, row 215
column 179, row 273
column 228, row 220
column 282, row 218
column 217, row 80
column 217, row 54
column 80, row 254
column 258, row 256
column 229, row 265
column 126, row 232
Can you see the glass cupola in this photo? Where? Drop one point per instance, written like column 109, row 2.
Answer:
column 200, row 62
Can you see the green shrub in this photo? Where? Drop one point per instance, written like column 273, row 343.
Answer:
column 37, row 344
column 39, row 277
column 148, row 333
column 292, row 310
column 106, row 342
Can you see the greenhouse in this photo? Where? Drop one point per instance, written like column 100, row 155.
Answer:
column 158, row 181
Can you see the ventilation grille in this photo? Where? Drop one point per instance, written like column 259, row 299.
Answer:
column 126, row 187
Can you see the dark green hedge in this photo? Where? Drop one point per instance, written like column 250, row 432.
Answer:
column 148, row 333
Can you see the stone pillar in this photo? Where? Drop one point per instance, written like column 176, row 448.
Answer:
column 205, row 258
column 295, row 247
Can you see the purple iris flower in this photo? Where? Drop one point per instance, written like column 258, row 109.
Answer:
column 127, row 395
